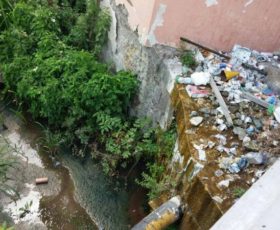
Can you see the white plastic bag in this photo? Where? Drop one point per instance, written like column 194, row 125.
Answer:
column 200, row 78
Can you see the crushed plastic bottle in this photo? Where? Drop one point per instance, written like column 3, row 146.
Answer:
column 183, row 80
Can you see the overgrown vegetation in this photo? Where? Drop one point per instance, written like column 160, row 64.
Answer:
column 188, row 59
column 52, row 68
column 50, row 64
column 156, row 179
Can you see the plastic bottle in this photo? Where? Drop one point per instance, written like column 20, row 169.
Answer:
column 183, row 80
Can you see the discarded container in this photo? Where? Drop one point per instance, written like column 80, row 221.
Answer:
column 42, row 180
column 200, row 78
column 184, row 80
column 163, row 216
column 227, row 75
column 225, row 65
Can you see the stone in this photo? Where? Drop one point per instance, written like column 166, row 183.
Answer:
column 205, row 110
column 275, row 143
column 256, row 158
column 258, row 123
column 251, row 145
column 233, row 108
column 219, row 121
column 193, row 114
column 196, row 121
column 240, row 132
column 222, row 139
column 225, row 93
column 222, row 127
column 237, row 122
column 250, row 130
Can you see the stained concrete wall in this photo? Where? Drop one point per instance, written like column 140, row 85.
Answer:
column 218, row 24
column 150, row 64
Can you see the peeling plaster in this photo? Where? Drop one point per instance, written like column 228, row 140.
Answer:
column 249, row 2
column 210, row 3
column 156, row 23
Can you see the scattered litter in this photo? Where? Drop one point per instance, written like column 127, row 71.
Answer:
column 200, row 78
column 219, row 173
column 227, row 75
column 42, row 180
column 256, row 158
column 259, row 173
column 183, row 80
column 221, row 102
column 210, row 144
column 244, row 96
column 201, row 152
column 233, row 165
column 277, row 114
column 197, row 92
column 224, row 183
column 218, row 199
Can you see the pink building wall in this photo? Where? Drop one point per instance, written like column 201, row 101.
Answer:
column 218, row 24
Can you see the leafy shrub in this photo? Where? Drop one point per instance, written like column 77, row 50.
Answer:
column 129, row 142
column 188, row 59
column 156, row 179
column 67, row 87
column 49, row 63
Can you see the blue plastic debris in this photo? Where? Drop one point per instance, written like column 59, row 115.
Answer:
column 242, row 163
column 271, row 100
column 267, row 92
column 234, row 168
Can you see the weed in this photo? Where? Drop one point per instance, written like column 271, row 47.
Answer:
column 238, row 192
column 25, row 209
column 188, row 59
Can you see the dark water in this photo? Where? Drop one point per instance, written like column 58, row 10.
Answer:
column 88, row 199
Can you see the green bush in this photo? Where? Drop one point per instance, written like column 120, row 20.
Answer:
column 188, row 59
column 60, row 82
column 49, row 62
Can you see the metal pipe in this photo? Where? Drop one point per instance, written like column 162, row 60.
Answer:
column 162, row 217
column 204, row 47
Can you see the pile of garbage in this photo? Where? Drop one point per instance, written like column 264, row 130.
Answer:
column 244, row 93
